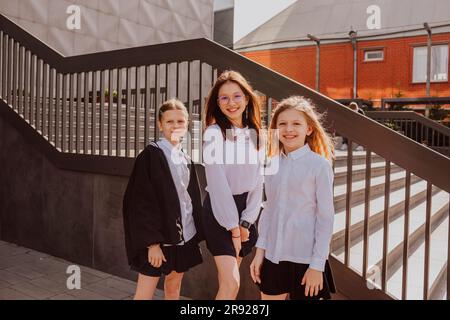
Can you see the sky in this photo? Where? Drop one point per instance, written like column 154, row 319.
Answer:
column 250, row 14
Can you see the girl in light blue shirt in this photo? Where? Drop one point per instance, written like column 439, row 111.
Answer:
column 296, row 225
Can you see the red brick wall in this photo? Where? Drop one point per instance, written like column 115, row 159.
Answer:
column 376, row 80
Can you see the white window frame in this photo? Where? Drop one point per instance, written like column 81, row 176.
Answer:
column 367, row 59
column 422, row 50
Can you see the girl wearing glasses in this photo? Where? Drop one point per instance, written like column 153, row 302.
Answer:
column 234, row 181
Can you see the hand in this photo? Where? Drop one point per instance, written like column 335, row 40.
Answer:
column 236, row 239
column 245, row 234
column 255, row 266
column 313, row 281
column 155, row 256
column 237, row 245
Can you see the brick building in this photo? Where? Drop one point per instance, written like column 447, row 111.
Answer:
column 391, row 60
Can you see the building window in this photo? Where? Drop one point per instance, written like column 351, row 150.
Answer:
column 439, row 64
column 374, row 55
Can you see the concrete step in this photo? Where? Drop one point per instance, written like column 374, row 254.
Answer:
column 397, row 181
column 106, row 111
column 438, row 289
column 438, row 248
column 416, row 239
column 357, row 159
column 376, row 216
column 359, row 172
column 437, row 268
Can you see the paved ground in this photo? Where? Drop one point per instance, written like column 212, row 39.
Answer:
column 27, row 275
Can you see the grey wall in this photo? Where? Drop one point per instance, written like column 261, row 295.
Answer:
column 78, row 216
column 112, row 24
column 224, row 27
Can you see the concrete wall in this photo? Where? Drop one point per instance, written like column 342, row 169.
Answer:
column 112, row 24
column 78, row 216
column 223, row 27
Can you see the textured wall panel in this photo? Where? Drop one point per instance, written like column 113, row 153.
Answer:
column 112, row 24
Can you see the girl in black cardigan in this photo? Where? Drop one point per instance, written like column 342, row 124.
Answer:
column 161, row 209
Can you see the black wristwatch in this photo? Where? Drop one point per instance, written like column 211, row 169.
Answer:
column 245, row 224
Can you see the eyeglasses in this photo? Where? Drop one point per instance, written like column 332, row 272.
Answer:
column 224, row 100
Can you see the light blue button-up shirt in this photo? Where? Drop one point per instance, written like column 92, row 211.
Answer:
column 297, row 221
column 177, row 160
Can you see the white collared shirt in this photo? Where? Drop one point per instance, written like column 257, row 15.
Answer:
column 236, row 171
column 178, row 160
column 297, row 221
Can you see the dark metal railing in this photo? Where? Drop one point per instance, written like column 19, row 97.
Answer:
column 392, row 195
column 417, row 127
column 98, row 111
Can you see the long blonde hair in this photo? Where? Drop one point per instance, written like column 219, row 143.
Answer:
column 319, row 140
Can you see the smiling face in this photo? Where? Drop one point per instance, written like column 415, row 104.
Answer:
column 232, row 102
column 293, row 129
column 173, row 125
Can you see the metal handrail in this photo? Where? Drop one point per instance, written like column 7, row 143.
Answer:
column 417, row 127
column 410, row 115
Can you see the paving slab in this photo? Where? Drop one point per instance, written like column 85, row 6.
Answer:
column 27, row 274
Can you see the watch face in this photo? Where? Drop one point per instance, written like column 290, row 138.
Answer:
column 245, row 224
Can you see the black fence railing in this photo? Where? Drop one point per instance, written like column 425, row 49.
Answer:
column 416, row 127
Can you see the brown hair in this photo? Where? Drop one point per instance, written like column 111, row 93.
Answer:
column 319, row 141
column 172, row 104
column 252, row 114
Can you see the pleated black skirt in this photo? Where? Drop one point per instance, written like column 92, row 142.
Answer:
column 218, row 239
column 179, row 259
column 286, row 277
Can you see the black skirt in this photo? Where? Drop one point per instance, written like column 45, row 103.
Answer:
column 218, row 239
column 286, row 277
column 179, row 259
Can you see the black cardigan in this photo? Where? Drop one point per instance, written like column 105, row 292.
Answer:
column 151, row 207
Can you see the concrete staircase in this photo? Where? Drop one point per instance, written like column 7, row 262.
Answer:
column 417, row 204
column 417, row 200
column 116, row 131
column 56, row 120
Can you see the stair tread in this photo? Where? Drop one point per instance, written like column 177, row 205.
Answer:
column 438, row 259
column 376, row 205
column 360, row 167
column 340, row 153
column 360, row 185
column 417, row 218
column 438, row 249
